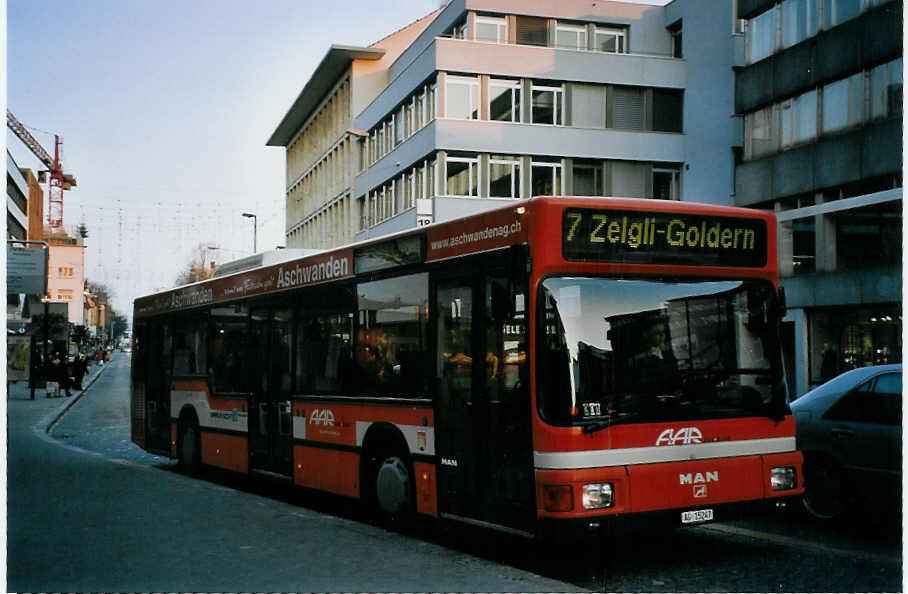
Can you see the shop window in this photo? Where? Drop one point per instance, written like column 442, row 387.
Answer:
column 491, row 29
column 392, row 337
column 532, row 31
column 676, row 31
column 668, row 110
column 504, row 177
column 462, row 98
column 547, row 105
column 462, row 176
column 761, row 34
column 546, row 179
column 570, row 37
column 504, row 100
column 613, row 41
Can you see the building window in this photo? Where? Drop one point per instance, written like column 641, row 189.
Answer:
column 399, row 126
column 839, row 11
column 761, row 35
column 760, row 136
column 666, row 183
column 629, row 108
column 587, row 178
column 872, row 234
column 547, row 105
column 587, row 106
column 677, row 38
column 504, row 177
column 462, row 97
column 545, row 179
column 491, row 29
column 461, row 176
column 843, row 103
column 504, row 100
column 799, row 119
column 613, row 41
column 799, row 21
column 668, row 110
column 886, row 90
column 570, row 37
column 803, row 245
column 532, row 31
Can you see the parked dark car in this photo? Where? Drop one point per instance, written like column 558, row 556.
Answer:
column 850, row 431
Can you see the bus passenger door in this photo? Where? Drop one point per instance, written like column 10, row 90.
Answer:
column 157, row 386
column 483, row 438
column 270, row 420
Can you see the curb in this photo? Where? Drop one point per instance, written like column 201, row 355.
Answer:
column 73, row 400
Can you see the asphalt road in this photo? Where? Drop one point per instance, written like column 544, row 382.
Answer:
column 122, row 519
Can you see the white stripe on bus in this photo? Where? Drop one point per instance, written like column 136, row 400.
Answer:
column 410, row 432
column 655, row 454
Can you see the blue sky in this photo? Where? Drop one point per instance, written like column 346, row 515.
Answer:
column 164, row 109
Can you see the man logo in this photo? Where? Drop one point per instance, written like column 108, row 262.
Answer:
column 322, row 417
column 699, row 478
column 683, row 436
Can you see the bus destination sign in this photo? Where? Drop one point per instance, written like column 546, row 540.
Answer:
column 643, row 237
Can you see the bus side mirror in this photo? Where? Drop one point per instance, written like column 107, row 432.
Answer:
column 783, row 304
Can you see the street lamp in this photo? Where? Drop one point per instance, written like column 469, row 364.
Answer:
column 255, row 225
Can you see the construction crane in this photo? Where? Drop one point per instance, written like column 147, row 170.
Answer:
column 58, row 182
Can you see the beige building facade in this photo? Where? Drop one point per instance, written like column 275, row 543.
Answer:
column 66, row 276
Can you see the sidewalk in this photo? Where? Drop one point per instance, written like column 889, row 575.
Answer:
column 22, row 411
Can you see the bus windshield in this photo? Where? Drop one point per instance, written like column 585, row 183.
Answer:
column 635, row 351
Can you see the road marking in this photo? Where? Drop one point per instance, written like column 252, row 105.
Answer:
column 799, row 543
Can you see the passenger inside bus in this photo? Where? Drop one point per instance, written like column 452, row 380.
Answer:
column 656, row 366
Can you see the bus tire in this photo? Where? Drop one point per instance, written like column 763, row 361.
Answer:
column 189, row 447
column 394, row 487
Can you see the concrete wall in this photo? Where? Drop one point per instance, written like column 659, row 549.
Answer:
column 708, row 47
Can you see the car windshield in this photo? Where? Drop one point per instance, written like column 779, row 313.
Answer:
column 620, row 350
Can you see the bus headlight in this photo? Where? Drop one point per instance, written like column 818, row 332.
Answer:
column 598, row 495
column 783, row 478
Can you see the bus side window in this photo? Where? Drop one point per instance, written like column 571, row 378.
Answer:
column 392, row 338
column 189, row 353
column 227, row 349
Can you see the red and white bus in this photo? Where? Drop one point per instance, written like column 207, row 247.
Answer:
column 556, row 362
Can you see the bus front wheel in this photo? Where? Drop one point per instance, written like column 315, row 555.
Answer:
column 394, row 487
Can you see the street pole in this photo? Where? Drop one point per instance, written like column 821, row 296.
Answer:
column 255, row 228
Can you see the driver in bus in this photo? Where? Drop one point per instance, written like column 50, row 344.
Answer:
column 656, row 366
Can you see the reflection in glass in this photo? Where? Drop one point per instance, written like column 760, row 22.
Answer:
column 615, row 351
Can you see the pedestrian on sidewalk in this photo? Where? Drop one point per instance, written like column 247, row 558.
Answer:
column 80, row 368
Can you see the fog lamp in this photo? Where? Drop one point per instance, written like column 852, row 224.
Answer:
column 598, row 495
column 783, row 478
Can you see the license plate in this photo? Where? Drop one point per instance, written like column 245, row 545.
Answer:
column 697, row 515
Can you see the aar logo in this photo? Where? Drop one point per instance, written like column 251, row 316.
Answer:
column 683, row 436
column 322, row 417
